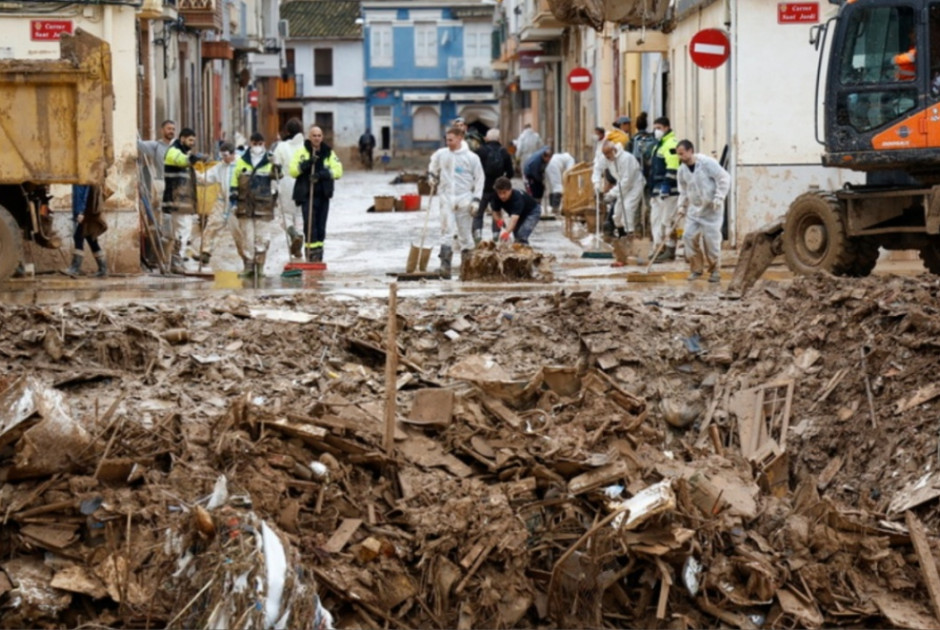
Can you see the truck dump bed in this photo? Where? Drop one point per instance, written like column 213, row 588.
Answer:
column 55, row 116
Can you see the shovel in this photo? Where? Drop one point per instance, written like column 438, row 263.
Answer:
column 419, row 256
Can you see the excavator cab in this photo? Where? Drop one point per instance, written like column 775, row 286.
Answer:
column 882, row 102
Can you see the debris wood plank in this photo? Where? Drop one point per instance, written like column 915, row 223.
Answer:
column 342, row 535
column 925, row 557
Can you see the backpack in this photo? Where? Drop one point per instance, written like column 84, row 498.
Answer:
column 492, row 159
column 644, row 146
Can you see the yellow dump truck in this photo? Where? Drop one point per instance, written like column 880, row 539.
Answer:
column 55, row 128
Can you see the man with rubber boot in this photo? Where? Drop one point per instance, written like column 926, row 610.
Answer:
column 316, row 167
column 665, row 189
column 89, row 225
column 252, row 198
column 460, row 178
column 179, row 193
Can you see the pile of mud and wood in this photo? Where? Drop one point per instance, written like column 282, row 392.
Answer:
column 566, row 459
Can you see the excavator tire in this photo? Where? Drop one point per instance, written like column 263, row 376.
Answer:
column 930, row 254
column 814, row 239
column 11, row 244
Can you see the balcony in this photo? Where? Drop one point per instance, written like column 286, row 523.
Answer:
column 292, row 87
column 541, row 25
column 201, row 14
column 157, row 10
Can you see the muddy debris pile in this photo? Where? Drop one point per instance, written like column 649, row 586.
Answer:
column 560, row 460
column 493, row 261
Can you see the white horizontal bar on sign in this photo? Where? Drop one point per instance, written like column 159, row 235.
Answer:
column 709, row 49
column 424, row 96
column 472, row 96
column 580, row 79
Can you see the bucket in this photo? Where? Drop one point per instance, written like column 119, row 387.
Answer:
column 411, row 202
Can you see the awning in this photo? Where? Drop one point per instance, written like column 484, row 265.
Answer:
column 472, row 96
column 424, row 96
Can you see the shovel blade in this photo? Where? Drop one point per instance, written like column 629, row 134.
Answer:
column 425, row 257
column 412, row 263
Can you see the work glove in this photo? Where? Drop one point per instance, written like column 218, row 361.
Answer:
column 433, row 179
column 197, row 157
column 610, row 197
column 718, row 203
column 475, row 207
column 663, row 191
column 305, row 167
column 309, row 146
column 324, row 173
column 504, row 234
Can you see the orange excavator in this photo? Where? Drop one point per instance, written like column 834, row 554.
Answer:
column 881, row 117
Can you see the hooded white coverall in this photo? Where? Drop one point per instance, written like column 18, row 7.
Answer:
column 527, row 143
column 281, row 156
column 460, row 180
column 702, row 192
column 627, row 192
column 554, row 171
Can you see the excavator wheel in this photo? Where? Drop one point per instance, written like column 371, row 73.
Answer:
column 930, row 254
column 11, row 244
column 814, row 239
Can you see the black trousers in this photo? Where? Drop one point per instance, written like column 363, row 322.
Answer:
column 315, row 225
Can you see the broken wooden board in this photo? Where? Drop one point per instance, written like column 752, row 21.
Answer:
column 432, row 407
column 925, row 557
column 424, row 451
column 347, row 528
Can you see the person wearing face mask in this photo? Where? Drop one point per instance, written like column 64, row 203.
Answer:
column 703, row 188
column 221, row 216
column 179, row 194
column 316, row 167
column 664, row 189
column 253, row 193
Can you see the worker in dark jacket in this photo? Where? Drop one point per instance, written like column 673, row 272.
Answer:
column 523, row 212
column 315, row 167
column 533, row 171
column 179, row 194
column 496, row 163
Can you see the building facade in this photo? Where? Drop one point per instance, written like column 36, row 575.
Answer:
column 425, row 64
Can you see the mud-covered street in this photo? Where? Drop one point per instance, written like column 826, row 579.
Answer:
column 585, row 452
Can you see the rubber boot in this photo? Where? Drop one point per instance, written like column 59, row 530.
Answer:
column 466, row 255
column 308, row 249
column 317, row 254
column 102, row 265
column 249, row 267
column 205, row 257
column 447, row 257
column 296, row 242
column 668, row 253
column 75, row 269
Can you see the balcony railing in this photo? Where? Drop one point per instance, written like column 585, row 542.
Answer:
column 292, row 87
column 202, row 14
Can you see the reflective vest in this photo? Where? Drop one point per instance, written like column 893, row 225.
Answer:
column 906, row 63
column 251, row 188
column 179, row 195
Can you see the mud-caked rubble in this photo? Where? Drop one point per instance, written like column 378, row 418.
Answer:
column 567, row 459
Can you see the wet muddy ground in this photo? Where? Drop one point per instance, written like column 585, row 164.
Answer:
column 590, row 452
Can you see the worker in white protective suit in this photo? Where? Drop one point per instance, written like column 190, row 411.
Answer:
column 291, row 219
column 555, row 180
column 458, row 175
column 619, row 175
column 703, row 188
column 527, row 143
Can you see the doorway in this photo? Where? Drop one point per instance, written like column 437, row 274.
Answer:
column 382, row 126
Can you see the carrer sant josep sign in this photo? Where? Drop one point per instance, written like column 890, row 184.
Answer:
column 49, row 30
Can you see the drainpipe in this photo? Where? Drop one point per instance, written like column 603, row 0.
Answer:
column 732, row 109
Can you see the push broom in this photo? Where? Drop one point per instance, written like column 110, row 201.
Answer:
column 598, row 248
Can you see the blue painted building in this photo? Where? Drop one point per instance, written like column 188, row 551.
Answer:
column 425, row 64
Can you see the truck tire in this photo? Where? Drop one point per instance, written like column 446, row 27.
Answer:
column 930, row 254
column 11, row 244
column 814, row 239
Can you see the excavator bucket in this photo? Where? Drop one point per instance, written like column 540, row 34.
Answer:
column 757, row 253
column 595, row 12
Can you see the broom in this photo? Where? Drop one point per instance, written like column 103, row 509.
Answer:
column 598, row 248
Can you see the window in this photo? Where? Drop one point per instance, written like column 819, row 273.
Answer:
column 477, row 43
column 323, row 66
column 875, row 38
column 877, row 67
column 324, row 120
column 380, row 42
column 425, row 44
column 426, row 124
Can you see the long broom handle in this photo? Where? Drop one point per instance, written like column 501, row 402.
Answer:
column 427, row 217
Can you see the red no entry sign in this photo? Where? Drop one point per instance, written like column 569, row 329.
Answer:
column 709, row 48
column 579, row 79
